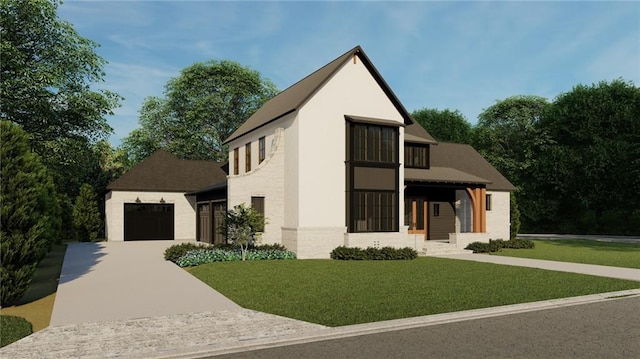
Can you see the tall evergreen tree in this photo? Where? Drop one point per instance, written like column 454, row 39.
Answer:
column 86, row 217
column 29, row 212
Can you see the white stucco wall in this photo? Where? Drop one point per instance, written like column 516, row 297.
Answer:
column 499, row 217
column 184, row 212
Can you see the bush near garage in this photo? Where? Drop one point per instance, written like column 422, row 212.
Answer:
column 13, row 329
column 193, row 254
column 371, row 253
column 497, row 245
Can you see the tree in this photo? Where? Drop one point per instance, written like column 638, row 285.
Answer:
column 29, row 212
column 515, row 216
column 445, row 126
column 86, row 217
column 241, row 225
column 593, row 164
column 201, row 108
column 47, row 70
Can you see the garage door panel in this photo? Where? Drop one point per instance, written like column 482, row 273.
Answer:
column 144, row 221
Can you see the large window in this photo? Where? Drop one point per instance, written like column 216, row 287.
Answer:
column 372, row 178
column 247, row 157
column 416, row 156
column 373, row 143
column 236, row 161
column 261, row 149
column 374, row 211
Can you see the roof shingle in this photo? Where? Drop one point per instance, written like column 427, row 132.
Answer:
column 164, row 172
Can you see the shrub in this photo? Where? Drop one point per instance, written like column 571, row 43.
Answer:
column 207, row 255
column 13, row 329
column 175, row 252
column 371, row 253
column 86, row 217
column 497, row 245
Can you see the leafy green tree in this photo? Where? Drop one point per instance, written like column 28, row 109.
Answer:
column 29, row 212
column 507, row 135
column 445, row 126
column 201, row 108
column 593, row 165
column 86, row 218
column 241, row 226
column 47, row 70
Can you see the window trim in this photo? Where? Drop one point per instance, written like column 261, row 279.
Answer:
column 488, row 202
column 409, row 149
column 354, row 160
column 261, row 149
column 247, row 157
column 255, row 200
column 236, row 161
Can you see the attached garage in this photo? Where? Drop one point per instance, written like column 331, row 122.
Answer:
column 155, row 200
column 148, row 222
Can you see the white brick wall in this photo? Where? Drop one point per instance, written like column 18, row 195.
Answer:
column 264, row 180
column 184, row 212
column 499, row 217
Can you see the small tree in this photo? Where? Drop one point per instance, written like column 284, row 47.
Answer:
column 86, row 217
column 515, row 217
column 241, row 225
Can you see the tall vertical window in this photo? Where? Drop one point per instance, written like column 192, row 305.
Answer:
column 257, row 203
column 247, row 157
column 261, row 149
column 372, row 177
column 488, row 202
column 236, row 161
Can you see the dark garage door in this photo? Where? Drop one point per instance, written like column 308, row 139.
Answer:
column 148, row 222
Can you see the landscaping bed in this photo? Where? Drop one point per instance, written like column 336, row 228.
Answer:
column 336, row 293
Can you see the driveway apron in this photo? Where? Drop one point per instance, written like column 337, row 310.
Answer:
column 125, row 280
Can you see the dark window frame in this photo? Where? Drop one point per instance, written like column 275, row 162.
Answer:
column 236, row 161
column 372, row 146
column 413, row 159
column 436, row 209
column 488, row 202
column 261, row 149
column 258, row 204
column 247, row 157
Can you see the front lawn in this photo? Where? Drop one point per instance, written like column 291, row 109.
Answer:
column 336, row 293
column 582, row 251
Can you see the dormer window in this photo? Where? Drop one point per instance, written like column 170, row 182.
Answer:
column 416, row 156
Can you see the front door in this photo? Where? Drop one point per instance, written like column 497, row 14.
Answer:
column 416, row 211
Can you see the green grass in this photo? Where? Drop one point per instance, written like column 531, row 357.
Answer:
column 13, row 329
column 336, row 293
column 582, row 251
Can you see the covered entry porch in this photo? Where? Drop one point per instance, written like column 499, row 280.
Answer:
column 445, row 208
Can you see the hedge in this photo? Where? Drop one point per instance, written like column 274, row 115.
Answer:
column 13, row 329
column 497, row 245
column 371, row 253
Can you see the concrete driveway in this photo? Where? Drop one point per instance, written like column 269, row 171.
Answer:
column 126, row 280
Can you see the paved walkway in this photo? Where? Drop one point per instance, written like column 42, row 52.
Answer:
column 126, row 280
column 601, row 271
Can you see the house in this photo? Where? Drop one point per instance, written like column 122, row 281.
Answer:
column 336, row 159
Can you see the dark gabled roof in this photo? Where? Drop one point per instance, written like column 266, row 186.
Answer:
column 295, row 96
column 164, row 172
column 466, row 159
column 417, row 134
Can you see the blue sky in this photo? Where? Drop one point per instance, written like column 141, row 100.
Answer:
column 457, row 55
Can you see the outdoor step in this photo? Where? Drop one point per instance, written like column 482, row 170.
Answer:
column 444, row 252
